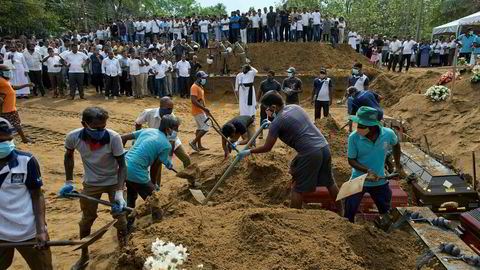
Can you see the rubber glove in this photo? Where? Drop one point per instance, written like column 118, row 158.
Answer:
column 120, row 203
column 265, row 123
column 168, row 164
column 243, row 154
column 67, row 188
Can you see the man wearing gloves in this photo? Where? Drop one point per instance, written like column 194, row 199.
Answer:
column 22, row 205
column 312, row 166
column 103, row 159
column 292, row 86
column 246, row 91
column 151, row 144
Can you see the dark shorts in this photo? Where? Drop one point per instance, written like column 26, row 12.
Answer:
column 310, row 171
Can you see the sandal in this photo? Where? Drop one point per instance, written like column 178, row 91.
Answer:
column 194, row 147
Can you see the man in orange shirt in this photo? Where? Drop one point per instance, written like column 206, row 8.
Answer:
column 199, row 111
column 8, row 101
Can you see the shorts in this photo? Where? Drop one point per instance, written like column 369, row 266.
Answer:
column 13, row 118
column 312, row 170
column 200, row 120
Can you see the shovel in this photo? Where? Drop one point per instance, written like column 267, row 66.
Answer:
column 217, row 129
column 76, row 194
column 198, row 194
column 55, row 243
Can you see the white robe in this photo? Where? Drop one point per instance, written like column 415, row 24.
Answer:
column 242, row 91
column 19, row 76
column 352, row 39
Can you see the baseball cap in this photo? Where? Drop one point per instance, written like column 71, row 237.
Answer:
column 291, row 70
column 366, row 116
column 6, row 127
column 201, row 75
column 323, row 71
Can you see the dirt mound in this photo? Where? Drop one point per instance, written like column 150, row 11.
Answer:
column 394, row 86
column 305, row 57
column 452, row 127
column 233, row 236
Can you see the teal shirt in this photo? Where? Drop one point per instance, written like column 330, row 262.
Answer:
column 467, row 43
column 476, row 50
column 371, row 154
column 151, row 144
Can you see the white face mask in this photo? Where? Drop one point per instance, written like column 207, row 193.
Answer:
column 471, row 32
column 290, row 75
column 203, row 81
column 6, row 73
column 355, row 71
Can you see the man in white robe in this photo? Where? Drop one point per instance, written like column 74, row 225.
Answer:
column 246, row 91
column 352, row 39
column 20, row 69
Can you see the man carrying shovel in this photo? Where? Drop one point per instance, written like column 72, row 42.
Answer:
column 367, row 149
column 151, row 144
column 103, row 159
column 22, row 205
column 312, row 166
column 243, row 126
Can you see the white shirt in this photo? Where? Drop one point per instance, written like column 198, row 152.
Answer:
column 159, row 70
column 324, row 93
column 203, row 26
column 148, row 26
column 407, row 46
column 264, row 19
column 255, row 21
column 134, row 66
column 144, row 69
column 111, row 67
column 183, row 68
column 151, row 63
column 299, row 26
column 316, row 18
column 155, row 28
column 305, row 18
column 100, row 34
column 225, row 24
column 394, row 46
column 51, row 62
column 153, row 120
column 168, row 64
column 76, row 61
column 34, row 60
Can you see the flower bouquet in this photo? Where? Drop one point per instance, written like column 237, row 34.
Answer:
column 437, row 93
column 166, row 256
column 462, row 61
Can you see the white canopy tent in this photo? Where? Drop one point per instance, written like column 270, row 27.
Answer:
column 454, row 27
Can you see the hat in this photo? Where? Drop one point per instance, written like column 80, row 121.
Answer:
column 323, row 71
column 5, row 127
column 291, row 70
column 201, row 75
column 366, row 116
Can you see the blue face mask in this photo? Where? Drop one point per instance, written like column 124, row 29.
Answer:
column 203, row 81
column 172, row 136
column 165, row 112
column 6, row 148
column 95, row 134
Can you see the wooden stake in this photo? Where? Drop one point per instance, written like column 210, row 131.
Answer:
column 454, row 73
column 426, row 141
column 474, row 170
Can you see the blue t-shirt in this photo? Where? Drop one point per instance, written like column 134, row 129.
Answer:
column 234, row 20
column 371, row 154
column 364, row 98
column 477, row 50
column 150, row 145
column 467, row 43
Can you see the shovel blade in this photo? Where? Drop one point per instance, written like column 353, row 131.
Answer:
column 92, row 238
column 198, row 195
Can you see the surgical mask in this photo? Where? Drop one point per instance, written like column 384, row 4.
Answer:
column 172, row 137
column 166, row 111
column 290, row 75
column 355, row 71
column 203, row 81
column 96, row 134
column 471, row 32
column 6, row 148
column 363, row 131
column 6, row 73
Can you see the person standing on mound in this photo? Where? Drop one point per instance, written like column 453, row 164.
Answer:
column 312, row 166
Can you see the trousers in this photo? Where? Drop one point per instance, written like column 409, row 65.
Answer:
column 75, row 81
column 111, row 86
column 36, row 78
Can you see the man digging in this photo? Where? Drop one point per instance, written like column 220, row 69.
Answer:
column 104, row 167
column 240, row 126
column 312, row 166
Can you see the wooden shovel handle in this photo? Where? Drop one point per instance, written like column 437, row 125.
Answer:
column 53, row 243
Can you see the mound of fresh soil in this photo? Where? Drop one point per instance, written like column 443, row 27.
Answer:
column 235, row 236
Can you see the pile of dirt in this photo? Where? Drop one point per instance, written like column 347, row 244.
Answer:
column 451, row 126
column 394, row 86
column 236, row 236
column 307, row 58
